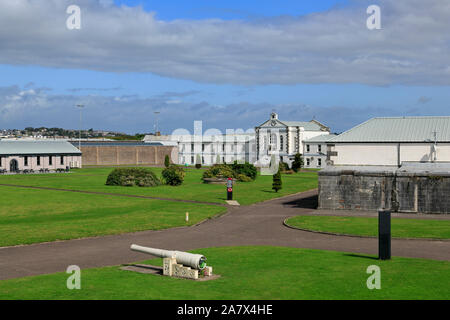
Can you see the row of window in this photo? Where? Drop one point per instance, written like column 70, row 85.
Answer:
column 212, row 149
column 308, row 148
column 38, row 160
column 309, row 162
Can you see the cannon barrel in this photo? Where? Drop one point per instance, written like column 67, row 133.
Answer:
column 196, row 261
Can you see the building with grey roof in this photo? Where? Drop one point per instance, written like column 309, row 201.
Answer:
column 37, row 155
column 392, row 141
column 315, row 151
column 285, row 138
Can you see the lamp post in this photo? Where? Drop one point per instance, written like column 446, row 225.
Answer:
column 81, row 106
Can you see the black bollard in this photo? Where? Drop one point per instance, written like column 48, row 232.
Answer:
column 230, row 189
column 384, row 234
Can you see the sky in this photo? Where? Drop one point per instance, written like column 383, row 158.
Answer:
column 226, row 63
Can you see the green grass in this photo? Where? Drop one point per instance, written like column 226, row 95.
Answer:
column 30, row 215
column 93, row 179
column 368, row 226
column 253, row 273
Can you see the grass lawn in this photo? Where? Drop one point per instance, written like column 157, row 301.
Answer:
column 368, row 226
column 253, row 273
column 93, row 179
column 30, row 215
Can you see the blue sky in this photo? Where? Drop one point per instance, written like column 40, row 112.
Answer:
column 228, row 63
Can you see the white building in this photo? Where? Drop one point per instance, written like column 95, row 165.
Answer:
column 392, row 141
column 210, row 149
column 285, row 138
column 315, row 151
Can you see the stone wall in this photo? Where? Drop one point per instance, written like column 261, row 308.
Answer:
column 127, row 155
column 397, row 189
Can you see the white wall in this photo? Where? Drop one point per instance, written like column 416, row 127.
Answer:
column 387, row 153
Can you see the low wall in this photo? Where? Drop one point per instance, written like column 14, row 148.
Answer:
column 398, row 189
column 127, row 155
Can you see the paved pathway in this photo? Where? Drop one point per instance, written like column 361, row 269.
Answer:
column 259, row 224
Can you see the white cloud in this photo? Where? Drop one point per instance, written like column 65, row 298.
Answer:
column 413, row 46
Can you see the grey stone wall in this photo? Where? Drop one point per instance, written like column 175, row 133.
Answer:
column 384, row 188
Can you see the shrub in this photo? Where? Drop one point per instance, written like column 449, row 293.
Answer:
column 246, row 169
column 284, row 166
column 219, row 171
column 173, row 175
column 277, row 183
column 297, row 164
column 129, row 177
column 244, row 178
column 166, row 161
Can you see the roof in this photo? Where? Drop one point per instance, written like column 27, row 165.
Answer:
column 308, row 125
column 16, row 147
column 321, row 138
column 398, row 129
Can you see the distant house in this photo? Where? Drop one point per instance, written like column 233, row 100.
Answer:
column 37, row 155
column 392, row 142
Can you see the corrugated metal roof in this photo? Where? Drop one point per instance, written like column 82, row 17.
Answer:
column 16, row 147
column 321, row 138
column 405, row 129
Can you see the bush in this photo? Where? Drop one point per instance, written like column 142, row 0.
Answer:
column 243, row 178
column 277, row 183
column 242, row 172
column 173, row 175
column 129, row 177
column 166, row 161
column 246, row 169
column 298, row 162
column 284, row 167
column 219, row 171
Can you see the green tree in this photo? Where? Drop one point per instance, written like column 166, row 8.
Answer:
column 277, row 183
column 166, row 161
column 297, row 164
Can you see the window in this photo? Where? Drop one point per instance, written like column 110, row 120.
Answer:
column 38, row 160
column 308, row 148
column 281, row 142
column 319, row 162
column 223, row 146
column 203, row 147
column 25, row 161
column 223, row 159
column 319, row 147
column 192, row 159
column 192, row 147
column 0, row 161
column 50, row 161
column 203, row 160
column 307, row 162
column 61, row 160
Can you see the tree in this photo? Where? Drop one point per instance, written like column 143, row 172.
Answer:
column 166, row 161
column 297, row 164
column 277, row 183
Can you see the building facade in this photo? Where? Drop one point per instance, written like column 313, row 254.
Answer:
column 392, row 142
column 315, row 151
column 210, row 149
column 37, row 155
column 285, row 138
